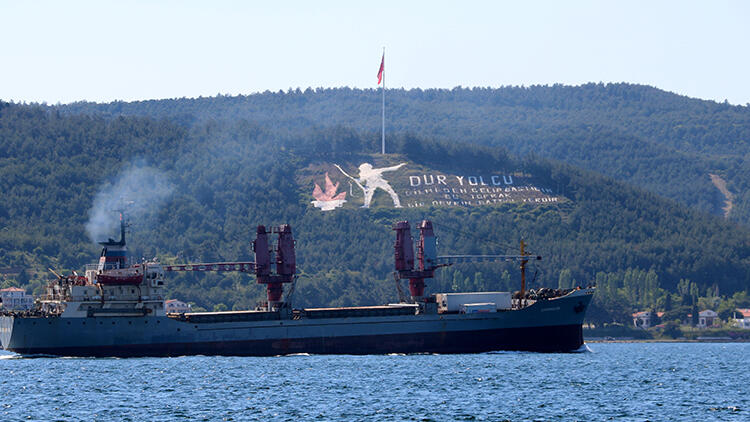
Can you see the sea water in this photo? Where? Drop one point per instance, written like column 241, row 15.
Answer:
column 610, row 381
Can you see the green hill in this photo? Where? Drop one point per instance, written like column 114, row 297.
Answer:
column 652, row 139
column 201, row 187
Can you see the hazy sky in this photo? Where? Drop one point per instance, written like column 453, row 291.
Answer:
column 64, row 51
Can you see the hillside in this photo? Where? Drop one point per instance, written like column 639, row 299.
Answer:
column 200, row 189
column 651, row 139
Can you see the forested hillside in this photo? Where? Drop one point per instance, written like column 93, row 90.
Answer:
column 212, row 180
column 649, row 138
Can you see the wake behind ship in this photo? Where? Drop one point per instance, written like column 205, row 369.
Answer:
column 117, row 309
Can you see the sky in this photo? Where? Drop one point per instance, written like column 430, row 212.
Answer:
column 67, row 51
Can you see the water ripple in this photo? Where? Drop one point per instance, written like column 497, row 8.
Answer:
column 635, row 381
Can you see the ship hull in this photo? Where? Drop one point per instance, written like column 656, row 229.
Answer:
column 547, row 326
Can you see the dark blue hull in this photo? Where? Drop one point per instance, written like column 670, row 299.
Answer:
column 548, row 326
column 539, row 339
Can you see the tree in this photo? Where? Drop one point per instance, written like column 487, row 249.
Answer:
column 694, row 315
column 672, row 329
column 667, row 304
column 565, row 280
column 23, row 278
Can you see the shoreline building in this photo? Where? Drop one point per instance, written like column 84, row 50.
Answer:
column 646, row 319
column 708, row 318
column 742, row 318
column 15, row 299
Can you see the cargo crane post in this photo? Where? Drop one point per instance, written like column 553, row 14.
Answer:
column 426, row 256
column 285, row 264
column 428, row 261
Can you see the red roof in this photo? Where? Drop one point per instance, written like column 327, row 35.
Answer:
column 745, row 312
column 12, row 289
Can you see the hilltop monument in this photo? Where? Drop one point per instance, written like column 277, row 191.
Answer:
column 371, row 179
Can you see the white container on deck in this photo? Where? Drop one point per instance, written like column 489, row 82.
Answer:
column 451, row 302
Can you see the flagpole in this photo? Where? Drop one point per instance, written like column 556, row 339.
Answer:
column 383, row 116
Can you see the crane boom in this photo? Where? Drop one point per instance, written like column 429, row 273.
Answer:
column 243, row 267
column 283, row 256
column 460, row 259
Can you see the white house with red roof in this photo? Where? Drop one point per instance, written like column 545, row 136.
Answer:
column 645, row 319
column 15, row 299
column 708, row 318
column 742, row 318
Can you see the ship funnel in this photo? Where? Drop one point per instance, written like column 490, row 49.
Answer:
column 114, row 253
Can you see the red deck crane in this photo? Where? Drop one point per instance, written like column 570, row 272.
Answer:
column 428, row 261
column 284, row 257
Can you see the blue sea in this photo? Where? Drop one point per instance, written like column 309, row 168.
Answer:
column 610, row 381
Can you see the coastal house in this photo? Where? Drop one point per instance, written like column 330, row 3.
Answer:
column 646, row 319
column 708, row 318
column 742, row 318
column 642, row 319
column 15, row 299
column 174, row 306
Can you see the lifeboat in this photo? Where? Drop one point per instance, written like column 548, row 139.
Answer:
column 129, row 276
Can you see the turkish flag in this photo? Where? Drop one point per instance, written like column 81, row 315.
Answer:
column 382, row 68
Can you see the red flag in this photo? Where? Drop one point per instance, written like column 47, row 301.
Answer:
column 382, row 68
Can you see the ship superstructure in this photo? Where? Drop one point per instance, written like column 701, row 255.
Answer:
column 112, row 287
column 117, row 309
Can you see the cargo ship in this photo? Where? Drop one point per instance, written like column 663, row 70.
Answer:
column 117, row 309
